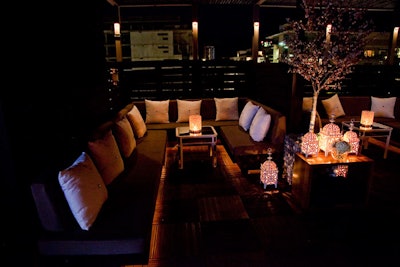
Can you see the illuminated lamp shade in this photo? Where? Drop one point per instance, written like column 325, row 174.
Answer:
column 309, row 144
column 352, row 138
column 269, row 171
column 195, row 124
column 367, row 119
column 117, row 29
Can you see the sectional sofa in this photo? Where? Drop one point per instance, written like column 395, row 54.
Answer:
column 102, row 204
column 240, row 145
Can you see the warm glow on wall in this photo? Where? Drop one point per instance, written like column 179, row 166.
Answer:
column 195, row 34
column 195, row 27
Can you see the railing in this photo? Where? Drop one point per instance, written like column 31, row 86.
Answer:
column 183, row 79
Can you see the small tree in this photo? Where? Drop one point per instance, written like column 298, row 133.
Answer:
column 326, row 44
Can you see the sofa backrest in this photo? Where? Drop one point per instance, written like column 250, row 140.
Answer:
column 276, row 133
column 207, row 111
column 353, row 105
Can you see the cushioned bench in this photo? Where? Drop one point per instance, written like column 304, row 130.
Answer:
column 122, row 229
column 249, row 154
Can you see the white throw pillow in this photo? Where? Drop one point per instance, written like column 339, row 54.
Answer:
column 383, row 107
column 137, row 122
column 247, row 115
column 84, row 190
column 157, row 111
column 187, row 108
column 332, row 105
column 260, row 125
column 226, row 109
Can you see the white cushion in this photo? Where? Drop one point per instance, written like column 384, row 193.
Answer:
column 383, row 107
column 226, row 109
column 157, row 111
column 137, row 122
column 260, row 125
column 332, row 105
column 247, row 115
column 84, row 190
column 107, row 157
column 187, row 108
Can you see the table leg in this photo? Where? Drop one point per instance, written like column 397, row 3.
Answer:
column 387, row 144
column 213, row 153
column 180, row 154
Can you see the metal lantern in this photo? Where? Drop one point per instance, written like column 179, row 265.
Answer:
column 352, row 138
column 309, row 144
column 269, row 171
column 328, row 135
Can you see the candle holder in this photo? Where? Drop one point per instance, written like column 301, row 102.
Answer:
column 195, row 124
column 367, row 119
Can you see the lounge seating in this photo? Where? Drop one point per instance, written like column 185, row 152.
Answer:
column 122, row 228
column 116, row 187
column 239, row 144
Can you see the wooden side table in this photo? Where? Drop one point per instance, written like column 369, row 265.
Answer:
column 322, row 182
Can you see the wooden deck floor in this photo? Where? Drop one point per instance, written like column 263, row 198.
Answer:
column 218, row 217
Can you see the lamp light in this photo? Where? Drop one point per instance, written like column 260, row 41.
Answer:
column 269, row 171
column 117, row 29
column 340, row 170
column 195, row 124
column 367, row 119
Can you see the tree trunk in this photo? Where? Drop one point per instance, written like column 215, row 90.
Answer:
column 313, row 111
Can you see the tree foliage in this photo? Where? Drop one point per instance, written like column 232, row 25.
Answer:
column 326, row 58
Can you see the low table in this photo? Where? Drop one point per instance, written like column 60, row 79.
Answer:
column 323, row 182
column 378, row 130
column 207, row 136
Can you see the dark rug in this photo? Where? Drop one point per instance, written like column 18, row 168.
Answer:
column 202, row 180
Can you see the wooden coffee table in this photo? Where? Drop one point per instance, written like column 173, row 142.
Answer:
column 208, row 136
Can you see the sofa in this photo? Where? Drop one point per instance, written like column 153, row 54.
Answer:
column 122, row 229
column 387, row 111
column 125, row 171
column 241, row 147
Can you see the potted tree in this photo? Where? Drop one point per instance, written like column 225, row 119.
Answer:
column 325, row 44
